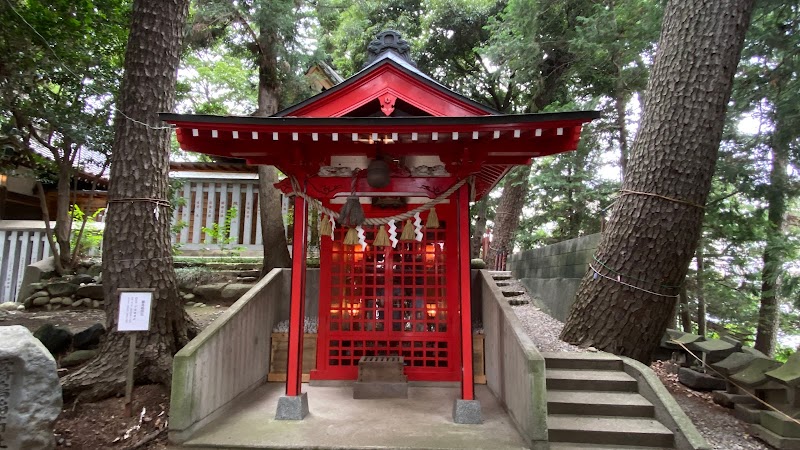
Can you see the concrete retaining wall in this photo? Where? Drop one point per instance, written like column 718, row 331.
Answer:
column 514, row 367
column 228, row 359
column 553, row 273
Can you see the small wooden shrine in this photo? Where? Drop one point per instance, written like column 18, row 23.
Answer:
column 408, row 154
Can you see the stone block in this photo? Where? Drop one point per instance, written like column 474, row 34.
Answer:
column 77, row 358
column 292, row 407
column 82, row 279
column 92, row 291
column 788, row 374
column 467, row 411
column 729, row 400
column 30, row 393
column 378, row 389
column 700, row 381
column 56, row 340
column 754, row 373
column 33, row 274
column 61, row 289
column 780, row 424
column 209, row 291
column 41, row 301
column 89, row 338
column 754, row 352
column 733, row 363
column 235, row 290
column 773, row 439
column 387, row 369
column 747, row 413
column 8, row 306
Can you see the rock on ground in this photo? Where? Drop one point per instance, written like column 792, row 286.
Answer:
column 29, row 372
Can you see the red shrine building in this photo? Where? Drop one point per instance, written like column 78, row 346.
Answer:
column 409, row 155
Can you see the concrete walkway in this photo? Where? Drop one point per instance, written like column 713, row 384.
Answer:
column 337, row 421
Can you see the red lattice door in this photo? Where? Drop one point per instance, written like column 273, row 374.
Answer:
column 390, row 301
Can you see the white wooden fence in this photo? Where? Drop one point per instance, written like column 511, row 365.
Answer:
column 22, row 242
column 207, row 198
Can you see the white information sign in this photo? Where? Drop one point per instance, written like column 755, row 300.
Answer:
column 134, row 311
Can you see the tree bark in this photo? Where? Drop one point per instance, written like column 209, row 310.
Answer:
column 136, row 248
column 63, row 219
column 506, row 219
column 655, row 225
column 769, row 312
column 276, row 250
column 480, row 227
column 686, row 318
column 701, row 298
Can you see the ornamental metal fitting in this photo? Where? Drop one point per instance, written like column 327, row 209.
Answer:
column 389, row 40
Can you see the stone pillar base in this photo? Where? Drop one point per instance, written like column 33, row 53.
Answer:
column 467, row 411
column 292, row 407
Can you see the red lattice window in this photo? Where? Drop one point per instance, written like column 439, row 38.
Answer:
column 377, row 301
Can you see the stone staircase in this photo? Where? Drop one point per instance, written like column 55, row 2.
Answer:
column 593, row 404
column 512, row 289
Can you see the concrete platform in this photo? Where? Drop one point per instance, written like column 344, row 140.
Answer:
column 337, row 421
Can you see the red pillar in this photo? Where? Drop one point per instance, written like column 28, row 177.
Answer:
column 294, row 370
column 467, row 378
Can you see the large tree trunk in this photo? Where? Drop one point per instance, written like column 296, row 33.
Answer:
column 686, row 318
column 63, row 219
column 769, row 312
column 480, row 227
column 506, row 218
column 701, row 298
column 137, row 251
column 655, row 226
column 276, row 250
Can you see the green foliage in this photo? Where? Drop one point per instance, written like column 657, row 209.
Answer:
column 91, row 239
column 220, row 233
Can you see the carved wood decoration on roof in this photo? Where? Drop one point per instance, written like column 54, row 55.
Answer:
column 388, row 40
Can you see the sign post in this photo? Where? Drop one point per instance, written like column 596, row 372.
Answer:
column 135, row 306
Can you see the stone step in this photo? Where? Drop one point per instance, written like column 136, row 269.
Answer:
column 577, row 446
column 500, row 272
column 627, row 404
column 588, row 360
column 589, row 380
column 516, row 302
column 608, row 430
column 502, row 283
column 513, row 293
column 501, row 277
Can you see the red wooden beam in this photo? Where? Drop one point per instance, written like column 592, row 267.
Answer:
column 294, row 370
column 467, row 375
column 328, row 187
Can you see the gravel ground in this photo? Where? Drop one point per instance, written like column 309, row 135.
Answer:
column 721, row 429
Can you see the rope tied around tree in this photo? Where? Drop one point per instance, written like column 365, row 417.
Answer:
column 157, row 201
column 375, row 221
column 664, row 197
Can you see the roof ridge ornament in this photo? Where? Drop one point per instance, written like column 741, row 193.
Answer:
column 389, row 40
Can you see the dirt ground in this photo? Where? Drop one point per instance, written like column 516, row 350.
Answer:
column 717, row 424
column 103, row 425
